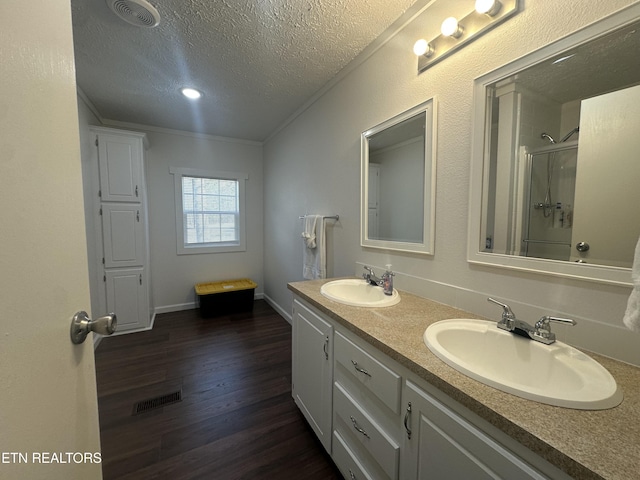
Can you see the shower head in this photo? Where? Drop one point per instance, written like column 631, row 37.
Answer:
column 548, row 137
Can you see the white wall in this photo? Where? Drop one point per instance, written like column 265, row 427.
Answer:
column 173, row 276
column 312, row 165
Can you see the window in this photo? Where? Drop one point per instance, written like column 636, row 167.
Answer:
column 209, row 211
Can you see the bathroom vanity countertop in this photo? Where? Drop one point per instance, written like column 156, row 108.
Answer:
column 586, row 444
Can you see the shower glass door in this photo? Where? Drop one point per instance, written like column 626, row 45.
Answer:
column 552, row 183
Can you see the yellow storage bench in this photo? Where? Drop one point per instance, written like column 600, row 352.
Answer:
column 228, row 296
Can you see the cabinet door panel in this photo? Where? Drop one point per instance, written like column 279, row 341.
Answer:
column 120, row 159
column 445, row 446
column 124, row 231
column 312, row 373
column 127, row 297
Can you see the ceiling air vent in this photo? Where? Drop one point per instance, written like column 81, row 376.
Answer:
column 136, row 12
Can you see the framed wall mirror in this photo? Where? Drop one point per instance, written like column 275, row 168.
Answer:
column 398, row 182
column 555, row 166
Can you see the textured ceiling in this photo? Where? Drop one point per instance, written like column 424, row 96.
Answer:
column 602, row 65
column 256, row 61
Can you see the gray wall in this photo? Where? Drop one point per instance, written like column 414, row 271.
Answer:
column 312, row 165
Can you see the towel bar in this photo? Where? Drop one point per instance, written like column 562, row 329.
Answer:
column 334, row 217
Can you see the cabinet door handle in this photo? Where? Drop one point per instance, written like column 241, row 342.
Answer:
column 136, row 190
column 406, row 420
column 352, row 475
column 357, row 427
column 138, row 215
column 325, row 347
column 360, row 369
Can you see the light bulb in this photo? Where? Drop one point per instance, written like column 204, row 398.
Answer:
column 451, row 28
column 422, row 47
column 191, row 93
column 488, row 7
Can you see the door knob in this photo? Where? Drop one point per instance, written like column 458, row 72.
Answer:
column 81, row 325
column 582, row 246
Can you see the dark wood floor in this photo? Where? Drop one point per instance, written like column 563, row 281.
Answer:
column 236, row 420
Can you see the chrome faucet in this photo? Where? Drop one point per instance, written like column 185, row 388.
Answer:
column 371, row 277
column 540, row 332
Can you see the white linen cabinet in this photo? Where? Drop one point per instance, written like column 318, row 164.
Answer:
column 121, row 231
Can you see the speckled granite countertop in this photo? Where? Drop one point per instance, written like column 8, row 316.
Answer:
column 584, row 443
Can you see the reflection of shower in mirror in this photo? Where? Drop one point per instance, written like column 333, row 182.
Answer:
column 547, row 204
column 551, row 176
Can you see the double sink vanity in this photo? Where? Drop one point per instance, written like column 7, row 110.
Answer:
column 407, row 388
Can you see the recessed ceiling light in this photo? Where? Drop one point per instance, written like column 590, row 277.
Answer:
column 191, row 93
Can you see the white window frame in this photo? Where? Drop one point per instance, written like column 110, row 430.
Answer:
column 219, row 247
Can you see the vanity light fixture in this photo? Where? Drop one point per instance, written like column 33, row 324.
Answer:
column 191, row 93
column 451, row 28
column 486, row 15
column 488, row 7
column 422, row 47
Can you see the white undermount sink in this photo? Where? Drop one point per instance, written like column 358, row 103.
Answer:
column 358, row 293
column 555, row 374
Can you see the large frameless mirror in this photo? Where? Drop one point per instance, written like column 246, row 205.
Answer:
column 398, row 182
column 555, row 156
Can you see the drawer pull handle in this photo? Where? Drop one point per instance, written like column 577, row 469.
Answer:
column 406, row 420
column 360, row 369
column 352, row 475
column 358, row 429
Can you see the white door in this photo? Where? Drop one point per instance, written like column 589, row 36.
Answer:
column 374, row 200
column 48, row 408
column 607, row 196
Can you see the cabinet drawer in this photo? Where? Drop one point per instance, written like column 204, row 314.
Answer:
column 354, row 424
column 346, row 461
column 380, row 380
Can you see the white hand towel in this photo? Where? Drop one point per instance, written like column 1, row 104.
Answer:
column 632, row 314
column 314, row 248
column 309, row 232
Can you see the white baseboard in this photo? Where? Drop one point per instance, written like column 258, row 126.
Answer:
column 281, row 311
column 175, row 308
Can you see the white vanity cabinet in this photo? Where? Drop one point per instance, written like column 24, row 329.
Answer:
column 439, row 443
column 388, row 423
column 312, row 369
